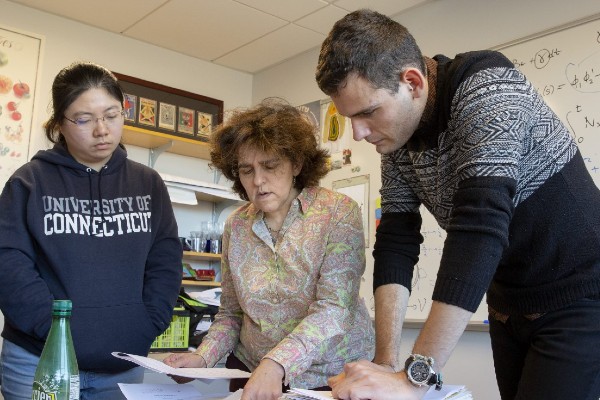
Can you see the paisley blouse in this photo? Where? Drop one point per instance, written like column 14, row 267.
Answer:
column 296, row 301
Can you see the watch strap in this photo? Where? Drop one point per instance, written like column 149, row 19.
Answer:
column 436, row 379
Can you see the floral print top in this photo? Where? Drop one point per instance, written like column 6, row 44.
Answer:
column 297, row 301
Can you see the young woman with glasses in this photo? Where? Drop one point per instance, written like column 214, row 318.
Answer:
column 82, row 222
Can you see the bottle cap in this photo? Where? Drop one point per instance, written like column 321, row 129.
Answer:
column 62, row 307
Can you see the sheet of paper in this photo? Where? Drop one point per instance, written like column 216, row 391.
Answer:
column 211, row 296
column 302, row 394
column 237, row 395
column 172, row 391
column 195, row 373
column 448, row 392
column 454, row 392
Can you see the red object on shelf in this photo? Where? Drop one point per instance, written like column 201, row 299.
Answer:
column 205, row 274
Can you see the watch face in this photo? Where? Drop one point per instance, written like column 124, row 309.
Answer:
column 419, row 371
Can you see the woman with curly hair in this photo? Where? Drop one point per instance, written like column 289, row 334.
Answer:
column 293, row 258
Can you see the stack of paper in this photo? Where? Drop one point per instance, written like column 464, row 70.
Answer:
column 448, row 392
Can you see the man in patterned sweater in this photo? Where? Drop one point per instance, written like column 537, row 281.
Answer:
column 471, row 140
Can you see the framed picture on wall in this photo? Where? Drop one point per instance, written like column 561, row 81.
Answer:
column 166, row 116
column 147, row 114
column 130, row 106
column 160, row 102
column 204, row 124
column 185, row 120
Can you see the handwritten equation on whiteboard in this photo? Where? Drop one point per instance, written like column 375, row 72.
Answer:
column 564, row 67
column 425, row 272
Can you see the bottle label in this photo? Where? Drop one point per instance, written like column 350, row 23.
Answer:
column 74, row 388
column 49, row 388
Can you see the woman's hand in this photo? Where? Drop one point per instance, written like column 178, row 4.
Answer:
column 184, row 360
column 265, row 382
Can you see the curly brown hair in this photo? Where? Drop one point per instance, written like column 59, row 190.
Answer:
column 274, row 127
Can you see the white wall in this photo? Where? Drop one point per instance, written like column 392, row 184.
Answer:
column 447, row 27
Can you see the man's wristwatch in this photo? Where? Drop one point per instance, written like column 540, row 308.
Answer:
column 419, row 370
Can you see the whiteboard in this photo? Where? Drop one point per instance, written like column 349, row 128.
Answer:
column 564, row 66
column 425, row 272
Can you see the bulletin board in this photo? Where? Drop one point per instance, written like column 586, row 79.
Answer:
column 20, row 61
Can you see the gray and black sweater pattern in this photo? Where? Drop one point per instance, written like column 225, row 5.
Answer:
column 501, row 174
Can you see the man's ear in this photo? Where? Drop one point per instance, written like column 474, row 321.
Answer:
column 413, row 79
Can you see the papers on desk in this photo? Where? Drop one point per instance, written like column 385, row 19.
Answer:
column 448, row 392
column 305, row 394
column 171, row 391
column 194, row 373
column 211, row 297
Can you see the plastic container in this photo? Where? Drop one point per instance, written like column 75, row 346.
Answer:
column 177, row 335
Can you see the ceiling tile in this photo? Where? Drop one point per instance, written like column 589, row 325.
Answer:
column 386, row 7
column 275, row 47
column 322, row 21
column 247, row 35
column 290, row 10
column 206, row 29
column 111, row 15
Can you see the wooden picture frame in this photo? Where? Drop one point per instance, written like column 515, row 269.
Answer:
column 181, row 99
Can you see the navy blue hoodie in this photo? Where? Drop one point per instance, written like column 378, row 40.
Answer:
column 105, row 240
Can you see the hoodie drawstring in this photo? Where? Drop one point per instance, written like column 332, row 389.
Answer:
column 90, row 171
column 100, row 191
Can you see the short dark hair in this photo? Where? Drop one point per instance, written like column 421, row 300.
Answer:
column 370, row 45
column 69, row 84
column 275, row 127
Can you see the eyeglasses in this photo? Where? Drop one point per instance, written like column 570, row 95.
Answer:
column 88, row 123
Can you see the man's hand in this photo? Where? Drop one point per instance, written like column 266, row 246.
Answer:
column 366, row 380
column 334, row 380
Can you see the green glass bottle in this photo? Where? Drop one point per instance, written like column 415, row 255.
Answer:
column 57, row 374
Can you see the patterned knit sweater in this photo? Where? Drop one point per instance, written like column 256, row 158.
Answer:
column 501, row 174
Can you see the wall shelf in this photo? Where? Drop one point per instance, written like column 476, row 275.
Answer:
column 172, row 144
column 190, row 282
column 194, row 255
